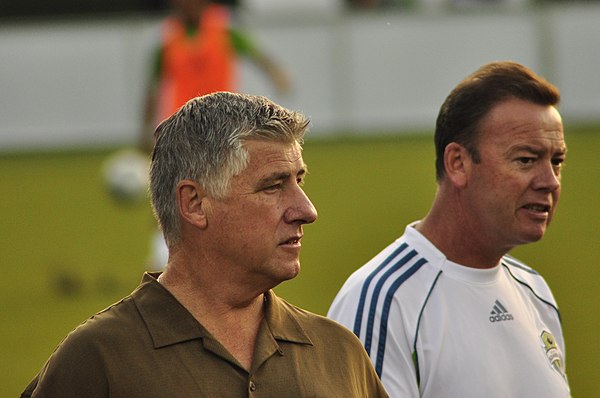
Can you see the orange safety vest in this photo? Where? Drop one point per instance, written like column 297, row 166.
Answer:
column 198, row 65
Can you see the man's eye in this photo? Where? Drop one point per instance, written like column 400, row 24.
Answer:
column 272, row 187
column 558, row 161
column 526, row 160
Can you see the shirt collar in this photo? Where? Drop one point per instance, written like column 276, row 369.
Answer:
column 449, row 268
column 284, row 320
column 169, row 323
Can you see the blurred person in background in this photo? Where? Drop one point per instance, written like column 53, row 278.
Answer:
column 444, row 311
column 198, row 55
column 226, row 187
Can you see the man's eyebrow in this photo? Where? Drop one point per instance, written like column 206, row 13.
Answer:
column 526, row 148
column 273, row 177
column 279, row 176
column 536, row 150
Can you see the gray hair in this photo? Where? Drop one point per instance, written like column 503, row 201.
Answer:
column 203, row 142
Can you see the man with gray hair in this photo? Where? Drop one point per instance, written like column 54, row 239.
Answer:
column 226, row 187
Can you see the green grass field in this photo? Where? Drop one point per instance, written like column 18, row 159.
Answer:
column 68, row 250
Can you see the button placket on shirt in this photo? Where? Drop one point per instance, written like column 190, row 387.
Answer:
column 252, row 386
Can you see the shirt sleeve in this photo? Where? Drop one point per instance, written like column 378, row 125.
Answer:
column 74, row 370
column 243, row 43
column 399, row 367
column 393, row 360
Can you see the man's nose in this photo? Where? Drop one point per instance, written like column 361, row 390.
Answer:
column 548, row 177
column 301, row 210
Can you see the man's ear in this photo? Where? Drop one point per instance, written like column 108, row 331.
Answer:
column 457, row 164
column 191, row 201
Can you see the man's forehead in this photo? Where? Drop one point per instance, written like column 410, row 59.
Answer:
column 269, row 159
column 521, row 120
column 518, row 111
column 264, row 152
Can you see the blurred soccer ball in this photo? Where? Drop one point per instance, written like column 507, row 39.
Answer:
column 125, row 175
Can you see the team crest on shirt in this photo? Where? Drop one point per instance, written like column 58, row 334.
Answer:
column 553, row 352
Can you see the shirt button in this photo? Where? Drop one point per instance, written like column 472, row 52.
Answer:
column 252, row 386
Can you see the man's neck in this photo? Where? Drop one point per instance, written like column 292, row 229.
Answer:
column 232, row 318
column 459, row 242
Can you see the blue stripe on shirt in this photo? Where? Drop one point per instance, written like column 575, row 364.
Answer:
column 365, row 288
column 386, row 312
column 375, row 296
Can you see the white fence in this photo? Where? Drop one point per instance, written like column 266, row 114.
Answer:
column 82, row 83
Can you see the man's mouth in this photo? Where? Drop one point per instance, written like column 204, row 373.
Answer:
column 539, row 208
column 292, row 241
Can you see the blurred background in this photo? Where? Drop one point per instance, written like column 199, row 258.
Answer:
column 370, row 74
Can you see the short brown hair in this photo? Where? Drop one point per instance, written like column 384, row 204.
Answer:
column 472, row 99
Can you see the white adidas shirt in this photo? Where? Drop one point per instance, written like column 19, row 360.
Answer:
column 434, row 328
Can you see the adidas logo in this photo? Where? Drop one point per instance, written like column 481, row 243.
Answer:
column 499, row 313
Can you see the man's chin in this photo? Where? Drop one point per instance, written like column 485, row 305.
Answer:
column 533, row 235
column 289, row 271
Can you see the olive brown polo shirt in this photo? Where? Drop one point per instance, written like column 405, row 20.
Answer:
column 148, row 345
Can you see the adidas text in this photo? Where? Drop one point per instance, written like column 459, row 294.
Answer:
column 503, row 317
